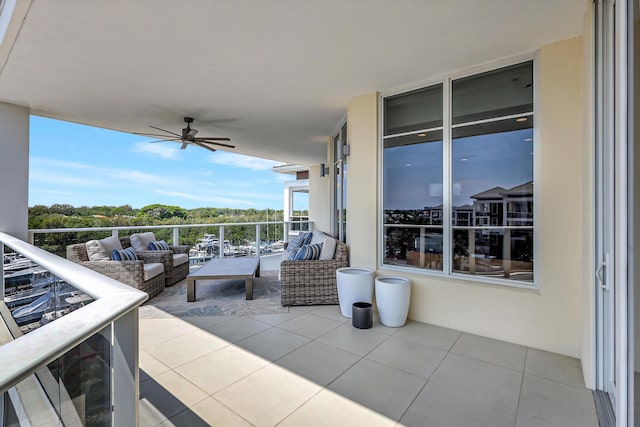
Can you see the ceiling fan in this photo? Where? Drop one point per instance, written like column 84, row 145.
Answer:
column 187, row 137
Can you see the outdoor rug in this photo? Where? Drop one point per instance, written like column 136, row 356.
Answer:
column 222, row 297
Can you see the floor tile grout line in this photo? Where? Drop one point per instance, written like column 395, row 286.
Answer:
column 244, row 338
column 515, row 418
column 299, row 406
column 232, row 411
column 199, row 357
column 582, row 387
column 346, row 351
column 187, row 408
column 427, row 381
column 455, row 342
column 424, row 343
column 343, row 372
column 468, row 357
column 350, row 352
column 324, row 333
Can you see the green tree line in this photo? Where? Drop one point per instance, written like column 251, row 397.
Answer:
column 67, row 216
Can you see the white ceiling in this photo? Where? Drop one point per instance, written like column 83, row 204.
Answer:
column 274, row 75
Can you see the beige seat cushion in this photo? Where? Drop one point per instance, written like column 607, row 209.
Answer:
column 96, row 252
column 100, row 250
column 152, row 269
column 328, row 244
column 179, row 259
column 111, row 243
column 140, row 241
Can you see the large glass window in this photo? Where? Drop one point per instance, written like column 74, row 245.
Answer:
column 340, row 184
column 413, row 181
column 461, row 204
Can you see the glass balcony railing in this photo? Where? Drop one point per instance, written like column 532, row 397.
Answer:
column 68, row 343
column 206, row 241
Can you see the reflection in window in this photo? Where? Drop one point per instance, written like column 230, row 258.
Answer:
column 413, row 197
column 417, row 110
column 489, row 211
column 415, row 247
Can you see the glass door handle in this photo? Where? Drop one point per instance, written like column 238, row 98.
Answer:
column 601, row 277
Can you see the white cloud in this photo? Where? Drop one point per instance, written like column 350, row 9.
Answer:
column 242, row 161
column 89, row 184
column 201, row 198
column 282, row 178
column 63, row 178
column 157, row 149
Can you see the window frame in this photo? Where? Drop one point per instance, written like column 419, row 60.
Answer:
column 447, row 228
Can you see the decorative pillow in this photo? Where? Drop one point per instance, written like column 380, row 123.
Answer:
column 328, row 249
column 97, row 252
column 110, row 243
column 308, row 252
column 296, row 243
column 140, row 241
column 160, row 245
column 124, row 255
column 318, row 237
column 328, row 244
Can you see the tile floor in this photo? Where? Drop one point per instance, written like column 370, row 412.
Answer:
column 311, row 367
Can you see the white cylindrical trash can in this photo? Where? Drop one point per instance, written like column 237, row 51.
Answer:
column 392, row 298
column 354, row 285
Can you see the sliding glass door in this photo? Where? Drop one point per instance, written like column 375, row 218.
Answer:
column 612, row 274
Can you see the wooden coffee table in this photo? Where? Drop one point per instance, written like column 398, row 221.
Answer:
column 225, row 268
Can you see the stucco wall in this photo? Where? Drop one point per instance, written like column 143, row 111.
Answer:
column 14, row 162
column 362, row 191
column 588, row 250
column 319, row 200
column 549, row 319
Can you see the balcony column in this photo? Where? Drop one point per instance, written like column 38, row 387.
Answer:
column 14, row 167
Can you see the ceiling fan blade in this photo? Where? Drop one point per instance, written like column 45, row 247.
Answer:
column 204, row 141
column 199, row 144
column 184, row 145
column 163, row 140
column 152, row 135
column 164, row 130
column 213, row 138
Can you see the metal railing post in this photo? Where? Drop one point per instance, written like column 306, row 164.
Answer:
column 221, row 241
column 258, row 240
column 286, row 231
column 114, row 232
column 31, row 238
column 176, row 236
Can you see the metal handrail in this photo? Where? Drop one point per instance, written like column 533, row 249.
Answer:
column 23, row 356
column 153, row 227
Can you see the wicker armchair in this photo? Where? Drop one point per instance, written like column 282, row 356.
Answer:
column 127, row 272
column 312, row 282
column 172, row 273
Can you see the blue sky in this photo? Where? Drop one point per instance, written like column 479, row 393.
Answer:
column 87, row 166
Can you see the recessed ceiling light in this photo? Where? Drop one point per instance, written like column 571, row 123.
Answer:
column 528, row 139
column 422, row 134
column 464, row 159
column 408, row 164
column 521, row 119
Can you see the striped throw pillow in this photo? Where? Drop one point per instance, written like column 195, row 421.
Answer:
column 309, row 252
column 160, row 245
column 296, row 243
column 124, row 255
